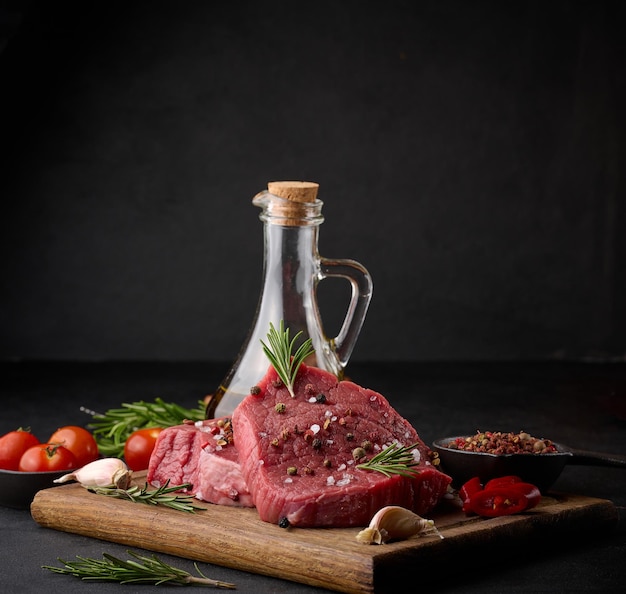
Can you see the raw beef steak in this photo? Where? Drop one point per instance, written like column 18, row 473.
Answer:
column 202, row 454
column 299, row 455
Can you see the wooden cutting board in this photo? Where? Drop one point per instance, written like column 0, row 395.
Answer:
column 327, row 558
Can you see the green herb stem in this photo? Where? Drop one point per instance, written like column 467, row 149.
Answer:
column 164, row 496
column 139, row 570
column 112, row 429
column 279, row 352
column 394, row 459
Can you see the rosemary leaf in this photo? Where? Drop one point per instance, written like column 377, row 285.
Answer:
column 164, row 496
column 279, row 352
column 112, row 429
column 140, row 569
column 394, row 459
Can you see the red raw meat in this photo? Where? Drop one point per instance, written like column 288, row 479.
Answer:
column 296, row 454
column 201, row 454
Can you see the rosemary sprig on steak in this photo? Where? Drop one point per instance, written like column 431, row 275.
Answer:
column 393, row 460
column 279, row 353
column 162, row 496
column 139, row 570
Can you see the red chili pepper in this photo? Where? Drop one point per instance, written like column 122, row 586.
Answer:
column 498, row 501
column 500, row 496
column 503, row 481
column 468, row 489
column 531, row 492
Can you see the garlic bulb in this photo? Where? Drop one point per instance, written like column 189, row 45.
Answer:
column 395, row 523
column 106, row 472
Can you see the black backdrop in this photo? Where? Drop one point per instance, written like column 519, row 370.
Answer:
column 469, row 154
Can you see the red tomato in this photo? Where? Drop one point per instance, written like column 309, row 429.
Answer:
column 47, row 456
column 498, row 501
column 77, row 440
column 13, row 445
column 138, row 447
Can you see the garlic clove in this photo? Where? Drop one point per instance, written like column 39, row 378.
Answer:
column 395, row 523
column 370, row 535
column 105, row 472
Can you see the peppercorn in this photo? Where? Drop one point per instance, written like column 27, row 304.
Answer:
column 292, row 471
column 283, row 522
column 358, row 453
column 320, row 398
column 255, row 390
column 316, row 443
column 280, row 407
column 498, row 443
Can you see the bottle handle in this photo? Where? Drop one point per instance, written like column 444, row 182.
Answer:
column 362, row 286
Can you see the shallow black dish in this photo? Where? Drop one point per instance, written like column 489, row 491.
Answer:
column 17, row 489
column 541, row 470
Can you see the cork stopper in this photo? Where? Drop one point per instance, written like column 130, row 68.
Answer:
column 296, row 191
column 296, row 203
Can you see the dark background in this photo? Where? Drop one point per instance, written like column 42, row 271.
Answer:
column 469, row 154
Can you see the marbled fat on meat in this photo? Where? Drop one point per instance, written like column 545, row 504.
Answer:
column 296, row 454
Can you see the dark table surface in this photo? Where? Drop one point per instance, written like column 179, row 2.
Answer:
column 578, row 404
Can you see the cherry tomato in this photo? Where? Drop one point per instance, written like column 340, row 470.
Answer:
column 13, row 445
column 138, row 447
column 498, row 501
column 77, row 440
column 47, row 456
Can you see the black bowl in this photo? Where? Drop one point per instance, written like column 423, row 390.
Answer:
column 17, row 489
column 541, row 470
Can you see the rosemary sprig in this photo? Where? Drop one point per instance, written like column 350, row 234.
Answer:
column 140, row 570
column 112, row 429
column 161, row 496
column 394, row 459
column 279, row 353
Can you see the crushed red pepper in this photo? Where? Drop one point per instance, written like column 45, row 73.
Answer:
column 498, row 442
